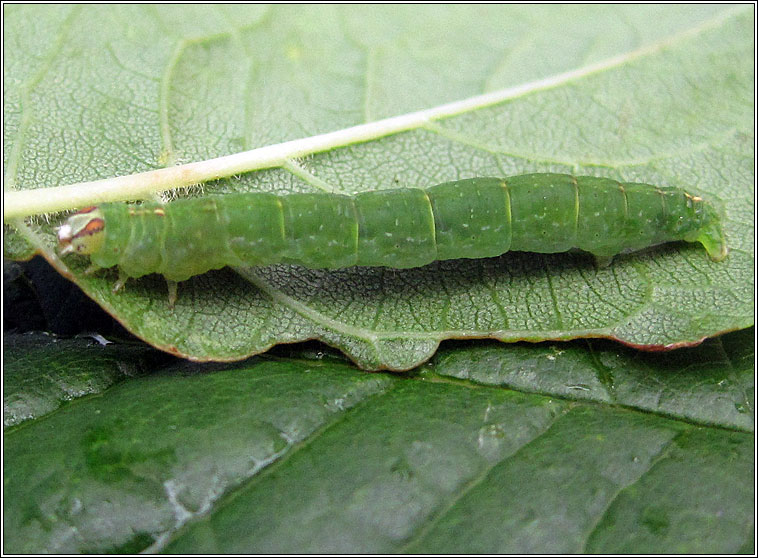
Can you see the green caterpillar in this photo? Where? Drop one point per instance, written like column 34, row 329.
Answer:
column 410, row 227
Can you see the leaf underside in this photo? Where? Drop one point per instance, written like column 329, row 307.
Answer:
column 674, row 115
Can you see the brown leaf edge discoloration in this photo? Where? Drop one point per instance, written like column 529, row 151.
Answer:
column 175, row 351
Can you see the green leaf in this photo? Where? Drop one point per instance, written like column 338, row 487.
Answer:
column 710, row 384
column 657, row 94
column 42, row 372
column 488, row 448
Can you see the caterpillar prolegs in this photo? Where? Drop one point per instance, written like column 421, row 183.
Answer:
column 402, row 228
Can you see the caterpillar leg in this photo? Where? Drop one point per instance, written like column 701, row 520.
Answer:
column 602, row 261
column 91, row 270
column 122, row 277
column 172, row 285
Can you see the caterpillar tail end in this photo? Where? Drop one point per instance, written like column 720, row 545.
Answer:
column 714, row 242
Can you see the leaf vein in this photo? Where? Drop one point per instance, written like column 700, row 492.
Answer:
column 263, row 473
column 456, row 497
column 26, row 89
column 662, row 455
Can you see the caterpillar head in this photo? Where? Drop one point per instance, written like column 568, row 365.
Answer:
column 82, row 233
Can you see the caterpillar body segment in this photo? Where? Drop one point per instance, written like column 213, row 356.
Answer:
column 402, row 228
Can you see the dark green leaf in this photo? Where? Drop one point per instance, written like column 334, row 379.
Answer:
column 305, row 454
